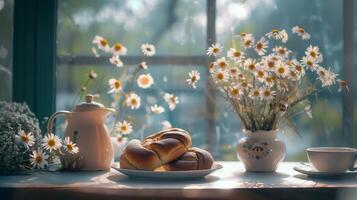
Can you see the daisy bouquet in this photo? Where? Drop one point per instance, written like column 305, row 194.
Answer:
column 120, row 86
column 265, row 82
column 46, row 151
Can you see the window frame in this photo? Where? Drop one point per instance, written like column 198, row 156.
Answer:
column 35, row 61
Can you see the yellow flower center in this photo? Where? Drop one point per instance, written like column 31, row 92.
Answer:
column 275, row 31
column 51, row 143
column 321, row 73
column 133, row 101
column 313, row 54
column 103, row 42
column 309, row 63
column 244, row 84
column 281, row 51
column 235, row 91
column 267, row 93
column 123, row 128
column 193, row 79
column 251, row 67
column 233, row 71
column 118, row 47
column 38, row 159
column 292, row 74
column 222, row 64
column 215, row 50
column 301, row 30
column 260, row 74
column 248, row 43
column 271, row 64
column 144, row 80
column 298, row 68
column 259, row 46
column 281, row 70
column 255, row 93
column 237, row 54
column 70, row 147
column 24, row 138
column 117, row 85
column 220, row 76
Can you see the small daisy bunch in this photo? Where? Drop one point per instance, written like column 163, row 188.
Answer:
column 120, row 86
column 265, row 82
column 47, row 150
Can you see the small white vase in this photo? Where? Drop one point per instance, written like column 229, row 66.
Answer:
column 260, row 151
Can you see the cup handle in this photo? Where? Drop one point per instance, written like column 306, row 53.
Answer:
column 354, row 166
column 52, row 118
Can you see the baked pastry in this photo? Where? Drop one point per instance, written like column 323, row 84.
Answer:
column 194, row 159
column 156, row 150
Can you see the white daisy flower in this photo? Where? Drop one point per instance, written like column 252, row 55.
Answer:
column 293, row 75
column 115, row 60
column 145, row 81
column 235, row 55
column 70, row 146
column 248, row 41
column 327, row 77
column 282, row 70
column 269, row 81
column 260, row 46
column 235, row 92
column 123, row 127
column 171, row 100
column 244, row 85
column 281, row 51
column 133, row 101
column 267, row 94
column 94, row 51
column 166, row 124
column 194, row 77
column 278, row 35
column 301, row 32
column 143, row 65
column 102, row 43
column 270, row 62
column 214, row 50
column 221, row 63
column 250, row 65
column 115, row 85
column 51, row 142
column 309, row 63
column 308, row 111
column 148, row 49
column 157, row 109
column 314, row 52
column 255, row 93
column 220, row 75
column 260, row 74
column 26, row 139
column 298, row 68
column 119, row 49
column 38, row 159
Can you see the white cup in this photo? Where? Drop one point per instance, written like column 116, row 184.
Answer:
column 332, row 159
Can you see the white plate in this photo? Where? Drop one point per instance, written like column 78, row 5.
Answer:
column 305, row 168
column 168, row 175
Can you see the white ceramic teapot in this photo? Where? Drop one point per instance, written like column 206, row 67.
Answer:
column 86, row 127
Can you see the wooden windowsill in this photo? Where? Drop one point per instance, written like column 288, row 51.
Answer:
column 231, row 182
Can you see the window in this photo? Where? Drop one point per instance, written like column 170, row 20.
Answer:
column 6, row 19
column 182, row 30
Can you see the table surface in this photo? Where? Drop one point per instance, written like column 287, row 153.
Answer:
column 226, row 182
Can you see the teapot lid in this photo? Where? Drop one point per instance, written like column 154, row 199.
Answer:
column 88, row 105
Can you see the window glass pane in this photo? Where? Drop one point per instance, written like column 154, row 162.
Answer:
column 174, row 27
column 326, row 29
column 6, row 19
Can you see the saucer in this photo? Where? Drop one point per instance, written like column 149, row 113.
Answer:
column 168, row 175
column 305, row 168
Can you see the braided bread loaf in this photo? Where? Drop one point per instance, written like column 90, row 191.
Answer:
column 193, row 159
column 156, row 150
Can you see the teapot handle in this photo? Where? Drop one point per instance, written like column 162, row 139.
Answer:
column 52, row 118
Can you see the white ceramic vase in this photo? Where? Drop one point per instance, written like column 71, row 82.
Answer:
column 260, row 151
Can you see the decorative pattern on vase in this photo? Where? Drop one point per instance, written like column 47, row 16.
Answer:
column 256, row 149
